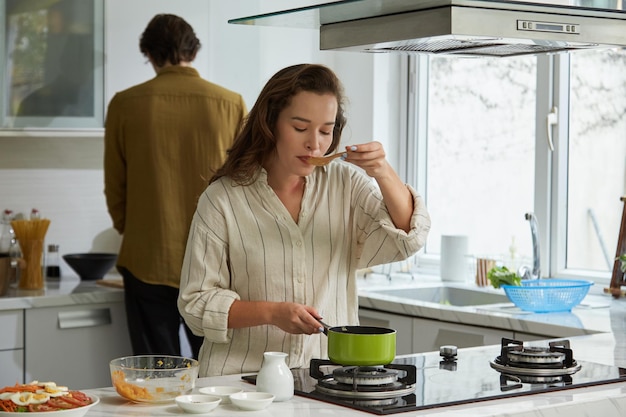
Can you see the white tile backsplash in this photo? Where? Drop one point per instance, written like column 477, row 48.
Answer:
column 68, row 191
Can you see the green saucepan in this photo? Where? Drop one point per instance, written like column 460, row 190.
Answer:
column 360, row 345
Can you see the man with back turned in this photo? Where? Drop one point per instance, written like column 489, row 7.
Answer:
column 164, row 139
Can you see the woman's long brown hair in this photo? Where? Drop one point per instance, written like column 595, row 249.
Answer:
column 256, row 142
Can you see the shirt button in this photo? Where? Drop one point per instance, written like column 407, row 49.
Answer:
column 298, row 243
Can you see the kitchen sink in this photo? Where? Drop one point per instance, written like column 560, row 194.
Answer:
column 446, row 295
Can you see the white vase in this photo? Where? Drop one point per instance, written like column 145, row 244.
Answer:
column 275, row 376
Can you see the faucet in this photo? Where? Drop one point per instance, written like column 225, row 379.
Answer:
column 524, row 271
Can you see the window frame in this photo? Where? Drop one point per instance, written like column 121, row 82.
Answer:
column 551, row 166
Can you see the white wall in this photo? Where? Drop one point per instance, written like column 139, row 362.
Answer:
column 61, row 173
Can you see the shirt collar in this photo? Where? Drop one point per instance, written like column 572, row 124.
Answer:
column 309, row 179
column 178, row 69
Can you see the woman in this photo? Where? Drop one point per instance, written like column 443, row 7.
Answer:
column 275, row 241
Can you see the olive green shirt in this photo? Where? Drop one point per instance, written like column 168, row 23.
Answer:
column 164, row 139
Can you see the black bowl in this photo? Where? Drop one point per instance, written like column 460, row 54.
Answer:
column 91, row 266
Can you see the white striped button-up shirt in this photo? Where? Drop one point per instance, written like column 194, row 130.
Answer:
column 244, row 245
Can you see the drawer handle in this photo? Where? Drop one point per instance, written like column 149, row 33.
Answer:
column 84, row 318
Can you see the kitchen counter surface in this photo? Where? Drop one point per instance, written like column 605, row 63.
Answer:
column 66, row 291
column 605, row 400
column 593, row 315
column 602, row 325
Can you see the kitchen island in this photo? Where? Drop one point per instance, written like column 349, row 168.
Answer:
column 604, row 400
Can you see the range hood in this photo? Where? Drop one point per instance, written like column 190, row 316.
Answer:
column 458, row 27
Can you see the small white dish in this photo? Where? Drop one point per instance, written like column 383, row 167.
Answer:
column 198, row 403
column 224, row 392
column 252, row 401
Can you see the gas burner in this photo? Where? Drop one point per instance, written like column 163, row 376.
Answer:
column 365, row 375
column 531, row 356
column 536, row 364
column 380, row 385
column 510, row 382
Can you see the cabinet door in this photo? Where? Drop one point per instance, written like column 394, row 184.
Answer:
column 12, row 366
column 73, row 345
column 12, row 347
column 57, row 81
column 529, row 337
column 401, row 324
column 12, row 325
column 430, row 335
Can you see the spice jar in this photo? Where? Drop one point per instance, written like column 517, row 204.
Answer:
column 53, row 268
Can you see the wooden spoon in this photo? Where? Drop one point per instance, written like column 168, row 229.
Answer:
column 324, row 160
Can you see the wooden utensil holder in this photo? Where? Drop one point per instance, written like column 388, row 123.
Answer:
column 31, row 277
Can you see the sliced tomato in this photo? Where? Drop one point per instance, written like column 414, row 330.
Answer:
column 76, row 398
column 41, row 407
column 81, row 396
column 60, row 404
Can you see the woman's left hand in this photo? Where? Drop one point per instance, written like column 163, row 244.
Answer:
column 370, row 157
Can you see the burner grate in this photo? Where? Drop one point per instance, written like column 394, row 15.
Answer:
column 366, row 382
column 543, row 363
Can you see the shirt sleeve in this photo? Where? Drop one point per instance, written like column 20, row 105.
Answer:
column 204, row 299
column 379, row 240
column 115, row 166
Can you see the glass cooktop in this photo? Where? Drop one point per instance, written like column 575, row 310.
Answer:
column 469, row 379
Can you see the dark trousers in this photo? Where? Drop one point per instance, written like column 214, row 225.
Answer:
column 153, row 318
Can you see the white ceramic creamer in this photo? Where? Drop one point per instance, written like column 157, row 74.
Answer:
column 275, row 376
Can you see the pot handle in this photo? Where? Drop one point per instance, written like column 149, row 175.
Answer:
column 326, row 326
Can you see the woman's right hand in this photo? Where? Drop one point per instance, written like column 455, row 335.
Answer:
column 296, row 318
column 293, row 318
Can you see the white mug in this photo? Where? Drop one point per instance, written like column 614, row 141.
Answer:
column 453, row 259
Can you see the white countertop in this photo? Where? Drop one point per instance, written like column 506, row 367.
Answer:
column 606, row 400
column 66, row 291
column 593, row 315
column 603, row 314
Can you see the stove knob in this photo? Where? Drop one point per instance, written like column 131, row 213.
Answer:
column 448, row 352
column 447, row 365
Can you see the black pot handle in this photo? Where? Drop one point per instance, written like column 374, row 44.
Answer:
column 326, row 326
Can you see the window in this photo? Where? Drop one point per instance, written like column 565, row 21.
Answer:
column 52, row 64
column 597, row 158
column 480, row 154
column 484, row 160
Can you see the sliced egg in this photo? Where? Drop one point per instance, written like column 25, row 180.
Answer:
column 6, row 395
column 53, row 389
column 26, row 398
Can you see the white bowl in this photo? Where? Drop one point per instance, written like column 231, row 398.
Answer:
column 252, row 400
column 197, row 403
column 224, row 392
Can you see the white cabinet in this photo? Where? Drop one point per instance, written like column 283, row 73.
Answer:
column 58, row 81
column 429, row 335
column 12, row 347
column 73, row 345
column 416, row 335
column 528, row 337
column 403, row 326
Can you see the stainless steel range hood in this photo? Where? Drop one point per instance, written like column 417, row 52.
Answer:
column 458, row 27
